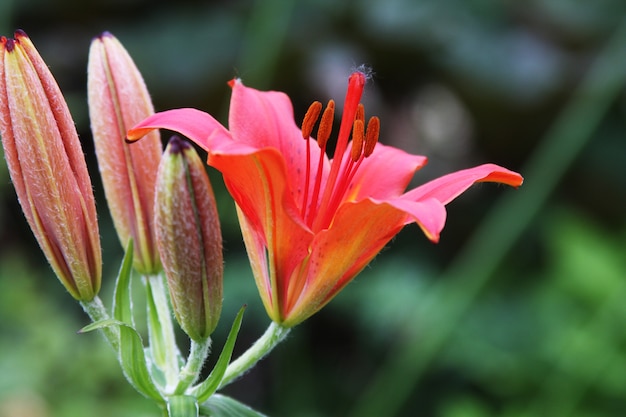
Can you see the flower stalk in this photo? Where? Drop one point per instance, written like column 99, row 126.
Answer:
column 96, row 311
column 274, row 334
column 198, row 353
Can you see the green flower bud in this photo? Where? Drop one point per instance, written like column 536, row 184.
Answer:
column 189, row 239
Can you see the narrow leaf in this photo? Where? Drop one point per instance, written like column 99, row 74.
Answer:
column 122, row 302
column 132, row 357
column 221, row 406
column 210, row 385
column 182, row 406
column 134, row 363
column 99, row 325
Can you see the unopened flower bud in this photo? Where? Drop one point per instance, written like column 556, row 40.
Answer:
column 48, row 168
column 189, row 239
column 118, row 99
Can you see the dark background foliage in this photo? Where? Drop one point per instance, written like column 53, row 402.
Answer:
column 518, row 311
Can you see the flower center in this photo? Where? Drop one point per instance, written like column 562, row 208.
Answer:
column 318, row 208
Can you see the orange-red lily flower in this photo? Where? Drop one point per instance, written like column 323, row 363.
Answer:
column 311, row 224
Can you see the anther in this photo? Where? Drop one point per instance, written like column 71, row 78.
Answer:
column 371, row 135
column 310, row 118
column 360, row 113
column 326, row 124
column 358, row 135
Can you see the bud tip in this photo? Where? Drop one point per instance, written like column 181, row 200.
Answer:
column 105, row 34
column 9, row 44
column 177, row 145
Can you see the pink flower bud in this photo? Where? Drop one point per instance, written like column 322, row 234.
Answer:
column 47, row 167
column 118, row 98
column 189, row 239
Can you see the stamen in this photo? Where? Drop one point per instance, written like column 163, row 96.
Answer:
column 356, row 83
column 307, row 176
column 371, row 136
column 360, row 112
column 358, row 135
column 310, row 118
column 326, row 124
column 323, row 134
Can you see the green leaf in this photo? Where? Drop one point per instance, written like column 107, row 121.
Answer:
column 210, row 385
column 182, row 406
column 98, row 325
column 122, row 303
column 132, row 357
column 221, row 406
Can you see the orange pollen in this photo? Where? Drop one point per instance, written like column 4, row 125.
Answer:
column 358, row 135
column 310, row 118
column 326, row 124
column 360, row 112
column 371, row 135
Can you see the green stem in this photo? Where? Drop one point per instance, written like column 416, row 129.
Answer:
column 182, row 406
column 96, row 311
column 274, row 334
column 163, row 346
column 198, row 353
column 452, row 297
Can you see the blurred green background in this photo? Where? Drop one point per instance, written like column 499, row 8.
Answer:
column 518, row 311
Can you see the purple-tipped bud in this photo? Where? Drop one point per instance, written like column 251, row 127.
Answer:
column 118, row 99
column 189, row 239
column 48, row 168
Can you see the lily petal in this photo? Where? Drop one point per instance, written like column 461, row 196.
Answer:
column 386, row 173
column 195, row 124
column 448, row 187
column 264, row 119
column 259, row 185
column 359, row 231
